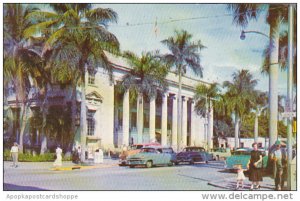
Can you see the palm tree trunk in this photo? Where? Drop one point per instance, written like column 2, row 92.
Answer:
column 23, row 122
column 179, row 116
column 73, row 116
column 236, row 131
column 273, row 80
column 83, row 126
column 256, row 128
column 43, row 133
column 140, row 118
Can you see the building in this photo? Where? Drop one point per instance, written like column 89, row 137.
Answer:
column 111, row 120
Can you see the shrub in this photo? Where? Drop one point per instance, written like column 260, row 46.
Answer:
column 27, row 157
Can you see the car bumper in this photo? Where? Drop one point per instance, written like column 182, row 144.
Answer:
column 136, row 162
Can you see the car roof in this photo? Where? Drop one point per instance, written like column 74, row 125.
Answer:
column 194, row 147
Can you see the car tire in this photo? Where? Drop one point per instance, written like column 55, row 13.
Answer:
column 206, row 162
column 149, row 164
column 171, row 164
column 131, row 166
column 176, row 163
column 192, row 162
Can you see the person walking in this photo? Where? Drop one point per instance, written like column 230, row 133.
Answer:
column 255, row 165
column 14, row 153
column 279, row 159
column 58, row 160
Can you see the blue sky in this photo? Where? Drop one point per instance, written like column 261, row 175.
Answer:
column 225, row 52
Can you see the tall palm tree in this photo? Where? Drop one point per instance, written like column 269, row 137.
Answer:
column 184, row 54
column 277, row 13
column 147, row 77
column 240, row 93
column 23, row 66
column 204, row 96
column 78, row 39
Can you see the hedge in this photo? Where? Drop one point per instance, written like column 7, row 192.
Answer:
column 26, row 157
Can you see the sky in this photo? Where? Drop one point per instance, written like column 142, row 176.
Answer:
column 225, row 52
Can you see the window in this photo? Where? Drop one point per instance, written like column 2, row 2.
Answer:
column 91, row 79
column 90, row 123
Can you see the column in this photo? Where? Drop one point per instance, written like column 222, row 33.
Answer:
column 125, row 121
column 193, row 124
column 174, row 122
column 164, row 119
column 184, row 123
column 152, row 119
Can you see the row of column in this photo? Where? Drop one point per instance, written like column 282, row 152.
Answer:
column 175, row 139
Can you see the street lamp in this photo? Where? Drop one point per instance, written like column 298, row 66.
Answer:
column 243, row 34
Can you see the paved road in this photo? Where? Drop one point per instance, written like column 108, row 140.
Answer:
column 38, row 176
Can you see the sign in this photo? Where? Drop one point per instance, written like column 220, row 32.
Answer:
column 288, row 114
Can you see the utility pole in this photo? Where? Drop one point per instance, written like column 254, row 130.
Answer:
column 290, row 92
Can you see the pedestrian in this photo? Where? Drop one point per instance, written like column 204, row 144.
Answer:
column 240, row 177
column 279, row 159
column 78, row 154
column 58, row 160
column 14, row 153
column 100, row 156
column 255, row 165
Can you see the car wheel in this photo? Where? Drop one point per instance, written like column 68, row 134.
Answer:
column 171, row 163
column 131, row 166
column 149, row 164
column 206, row 162
column 192, row 162
column 176, row 163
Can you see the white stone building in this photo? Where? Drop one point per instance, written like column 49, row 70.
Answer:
column 112, row 120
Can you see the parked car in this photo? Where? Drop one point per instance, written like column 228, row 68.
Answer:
column 193, row 155
column 242, row 156
column 152, row 156
column 134, row 149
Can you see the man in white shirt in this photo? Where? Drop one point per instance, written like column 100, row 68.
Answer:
column 14, row 152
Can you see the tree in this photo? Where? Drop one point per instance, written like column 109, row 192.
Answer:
column 184, row 54
column 204, row 96
column 78, row 39
column 240, row 96
column 23, row 65
column 276, row 13
column 147, row 77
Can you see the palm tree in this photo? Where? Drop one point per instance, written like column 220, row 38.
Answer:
column 23, row 66
column 204, row 96
column 277, row 13
column 78, row 39
column 240, row 93
column 261, row 103
column 147, row 77
column 184, row 54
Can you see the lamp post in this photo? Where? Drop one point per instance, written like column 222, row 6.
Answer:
column 243, row 34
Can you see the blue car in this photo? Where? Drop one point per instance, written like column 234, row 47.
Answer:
column 152, row 156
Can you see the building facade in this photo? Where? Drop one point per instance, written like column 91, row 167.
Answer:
column 111, row 115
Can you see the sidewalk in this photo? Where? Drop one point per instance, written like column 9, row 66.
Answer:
column 66, row 165
column 88, row 164
column 230, row 184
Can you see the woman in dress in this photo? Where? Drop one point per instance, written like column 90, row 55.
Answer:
column 255, row 167
column 58, row 160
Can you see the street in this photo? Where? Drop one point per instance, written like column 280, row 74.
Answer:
column 38, row 176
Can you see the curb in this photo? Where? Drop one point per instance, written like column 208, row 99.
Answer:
column 80, row 167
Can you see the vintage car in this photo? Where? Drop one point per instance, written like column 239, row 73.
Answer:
column 241, row 157
column 193, row 155
column 152, row 156
column 134, row 149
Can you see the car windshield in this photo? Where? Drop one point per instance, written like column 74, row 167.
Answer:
column 148, row 150
column 168, row 150
column 137, row 146
column 197, row 149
